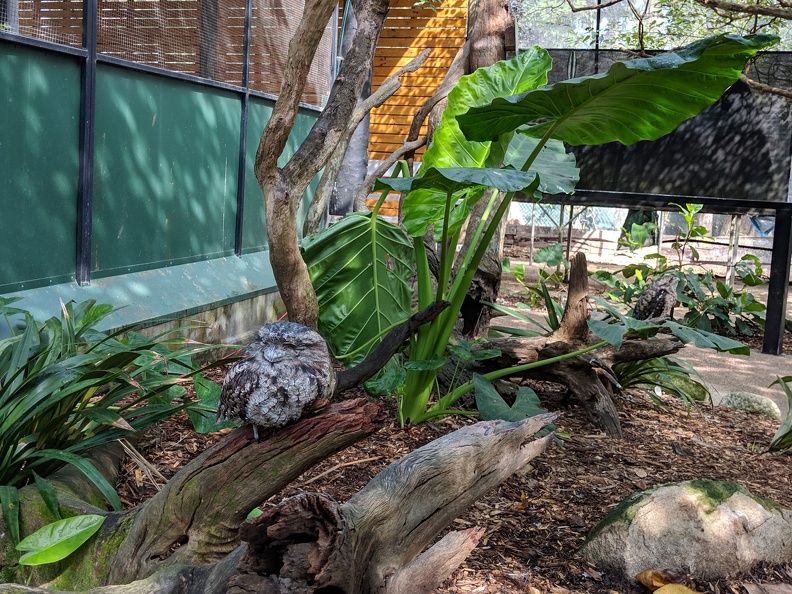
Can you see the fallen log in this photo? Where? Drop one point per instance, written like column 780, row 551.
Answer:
column 187, row 538
column 378, row 541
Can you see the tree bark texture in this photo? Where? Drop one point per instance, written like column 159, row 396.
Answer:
column 284, row 188
column 362, row 110
column 194, row 520
column 378, row 540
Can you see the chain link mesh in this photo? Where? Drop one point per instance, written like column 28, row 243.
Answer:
column 199, row 37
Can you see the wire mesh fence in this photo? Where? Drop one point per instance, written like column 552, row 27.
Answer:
column 204, row 38
column 56, row 21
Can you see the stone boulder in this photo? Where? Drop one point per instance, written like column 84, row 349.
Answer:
column 708, row 529
column 755, row 403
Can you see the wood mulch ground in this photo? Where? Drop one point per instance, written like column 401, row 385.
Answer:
column 538, row 519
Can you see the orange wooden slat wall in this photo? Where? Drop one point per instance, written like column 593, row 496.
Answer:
column 407, row 32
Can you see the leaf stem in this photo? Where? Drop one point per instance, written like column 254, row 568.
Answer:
column 460, row 391
column 442, row 282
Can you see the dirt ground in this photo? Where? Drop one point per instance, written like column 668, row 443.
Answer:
column 536, row 521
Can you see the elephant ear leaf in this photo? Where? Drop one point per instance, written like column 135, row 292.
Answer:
column 491, row 405
column 450, row 148
column 557, row 169
column 427, row 194
column 360, row 269
column 635, row 100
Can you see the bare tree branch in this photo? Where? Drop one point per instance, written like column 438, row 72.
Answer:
column 766, row 88
column 455, row 72
column 302, row 49
column 325, row 188
column 782, row 11
column 284, row 188
column 592, row 6
column 390, row 344
column 382, row 169
column 412, row 142
column 329, row 128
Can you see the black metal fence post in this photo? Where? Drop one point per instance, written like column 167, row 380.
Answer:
column 778, row 289
column 87, row 118
column 242, row 171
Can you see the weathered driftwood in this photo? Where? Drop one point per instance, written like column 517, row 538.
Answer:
column 195, row 519
column 588, row 377
column 378, row 541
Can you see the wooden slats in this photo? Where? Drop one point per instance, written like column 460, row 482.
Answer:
column 167, row 34
column 410, row 52
column 408, row 30
column 390, row 208
column 58, row 21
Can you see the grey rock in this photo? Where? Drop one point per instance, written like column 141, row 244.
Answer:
column 709, row 529
column 754, row 403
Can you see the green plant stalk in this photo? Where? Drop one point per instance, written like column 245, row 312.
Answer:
column 418, row 386
column 458, row 291
column 423, row 273
column 442, row 282
column 442, row 405
column 380, row 202
column 374, row 213
column 476, row 235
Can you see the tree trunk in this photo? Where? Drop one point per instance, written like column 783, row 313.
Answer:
column 331, row 172
column 354, row 166
column 284, row 188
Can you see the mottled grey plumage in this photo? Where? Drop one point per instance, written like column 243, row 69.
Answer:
column 657, row 300
column 286, row 368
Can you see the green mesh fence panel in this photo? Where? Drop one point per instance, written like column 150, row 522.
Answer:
column 39, row 167
column 165, row 182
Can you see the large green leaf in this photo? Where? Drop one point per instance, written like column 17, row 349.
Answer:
column 492, row 407
column 453, row 179
column 449, row 146
column 58, row 540
column 636, row 100
column 433, row 187
column 557, row 169
column 707, row 340
column 612, row 333
column 360, row 269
